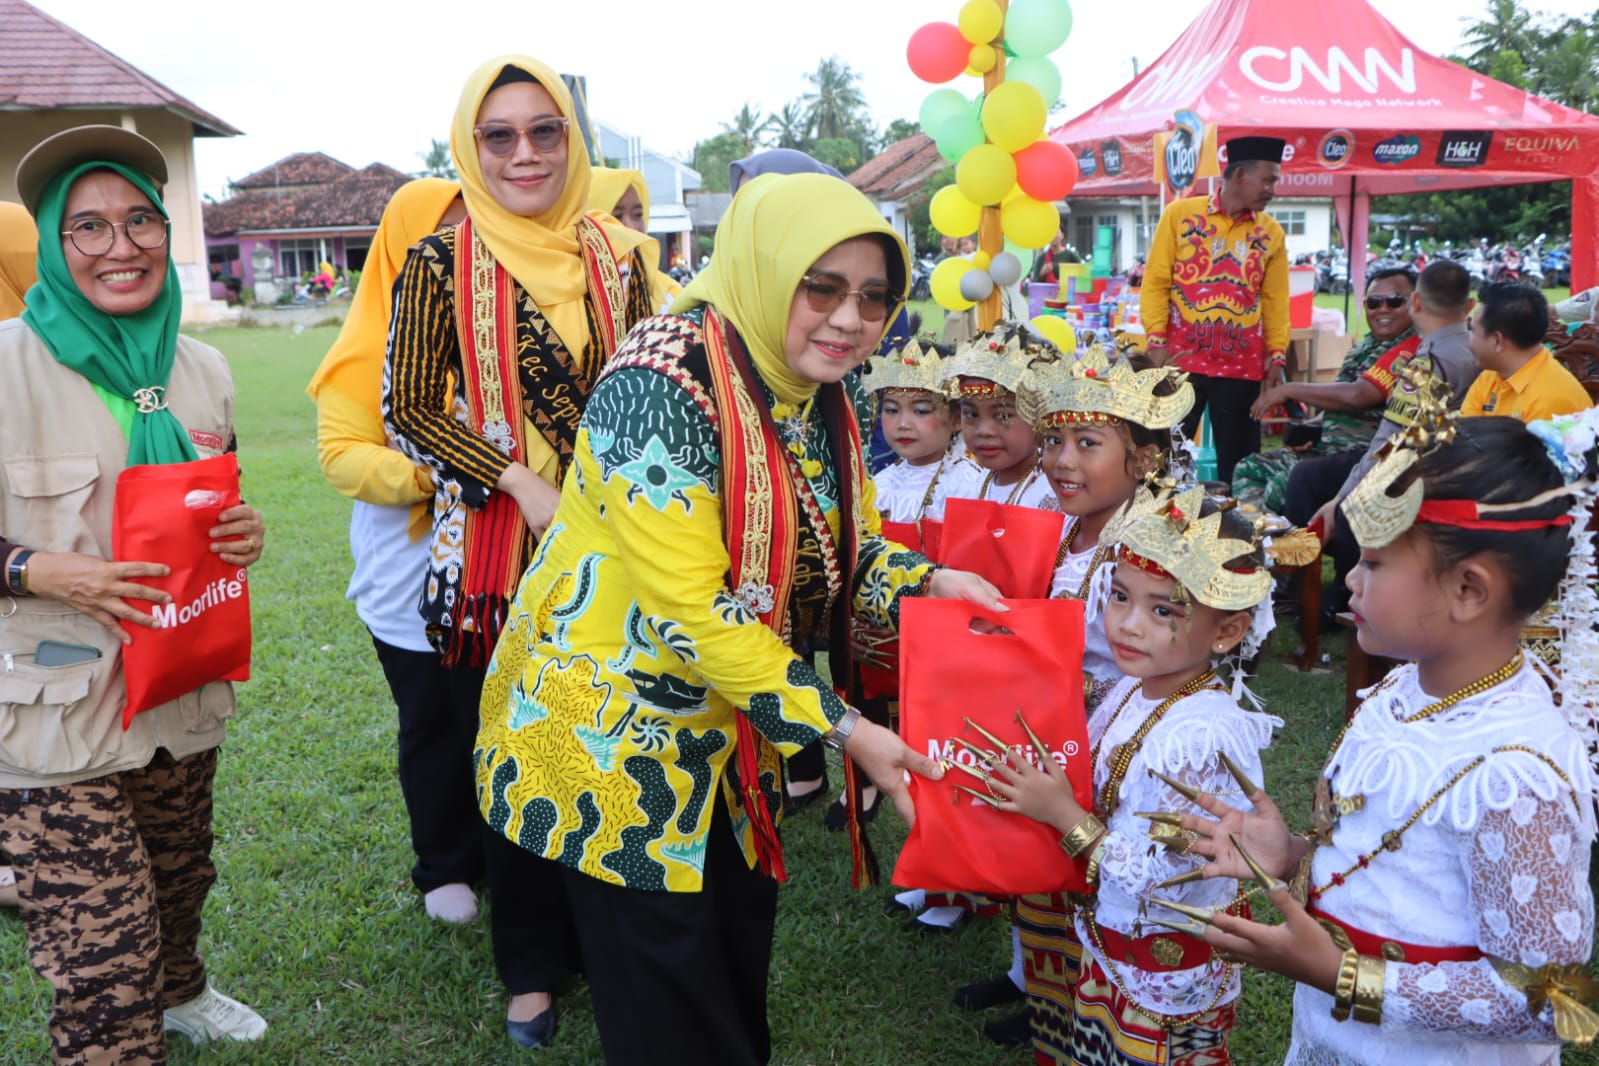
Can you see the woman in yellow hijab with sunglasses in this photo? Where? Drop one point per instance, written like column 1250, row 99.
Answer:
column 501, row 326
column 718, row 515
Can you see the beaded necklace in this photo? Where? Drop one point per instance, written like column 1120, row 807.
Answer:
column 1021, row 486
column 1121, row 756
column 1100, row 554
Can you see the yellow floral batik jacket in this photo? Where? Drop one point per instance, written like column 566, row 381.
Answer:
column 608, row 715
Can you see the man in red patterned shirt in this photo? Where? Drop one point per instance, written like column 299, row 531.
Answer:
column 1215, row 296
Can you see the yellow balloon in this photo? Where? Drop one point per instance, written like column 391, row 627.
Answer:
column 946, row 284
column 1028, row 222
column 982, row 59
column 1013, row 115
column 986, row 174
column 980, row 21
column 953, row 215
column 1057, row 331
column 981, row 260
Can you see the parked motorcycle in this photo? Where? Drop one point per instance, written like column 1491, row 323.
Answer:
column 922, row 279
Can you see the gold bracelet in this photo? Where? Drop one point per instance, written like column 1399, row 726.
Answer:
column 1095, row 857
column 1082, row 836
column 1344, row 991
column 1371, row 972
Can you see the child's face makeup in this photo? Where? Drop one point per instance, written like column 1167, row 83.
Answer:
column 996, row 436
column 1398, row 601
column 918, row 425
column 1088, row 467
column 1153, row 638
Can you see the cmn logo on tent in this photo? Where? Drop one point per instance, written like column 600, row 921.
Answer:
column 1464, row 148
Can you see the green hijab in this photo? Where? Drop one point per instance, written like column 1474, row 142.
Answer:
column 120, row 355
column 775, row 228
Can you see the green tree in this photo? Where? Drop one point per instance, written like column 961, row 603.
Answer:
column 928, row 239
column 897, row 131
column 1508, row 28
column 436, row 161
column 711, row 159
column 746, row 125
column 1509, row 67
column 836, row 108
column 845, row 153
column 788, row 126
column 1566, row 66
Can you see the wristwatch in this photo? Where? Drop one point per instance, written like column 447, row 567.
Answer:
column 835, row 737
column 17, row 572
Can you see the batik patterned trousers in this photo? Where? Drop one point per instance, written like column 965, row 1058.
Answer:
column 112, row 874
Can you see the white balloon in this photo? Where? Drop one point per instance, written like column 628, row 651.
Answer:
column 1006, row 270
column 976, row 285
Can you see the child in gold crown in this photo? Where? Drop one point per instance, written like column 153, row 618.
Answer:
column 1189, row 587
column 916, row 410
column 1440, row 911
column 985, row 373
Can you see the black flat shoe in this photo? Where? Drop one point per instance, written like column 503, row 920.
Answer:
column 981, row 995
column 536, row 1032
column 792, row 805
column 1014, row 1031
column 838, row 815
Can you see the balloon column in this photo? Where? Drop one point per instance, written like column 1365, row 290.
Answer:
column 1008, row 173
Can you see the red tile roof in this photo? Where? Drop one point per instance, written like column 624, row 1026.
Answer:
column 900, row 169
column 354, row 201
column 301, row 168
column 46, row 66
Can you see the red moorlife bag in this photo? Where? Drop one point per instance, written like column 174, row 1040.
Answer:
column 949, row 672
column 1013, row 547
column 163, row 514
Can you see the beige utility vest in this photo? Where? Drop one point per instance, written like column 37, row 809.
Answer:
column 60, row 453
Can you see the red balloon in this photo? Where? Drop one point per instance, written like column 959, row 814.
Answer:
column 938, row 52
column 1046, row 170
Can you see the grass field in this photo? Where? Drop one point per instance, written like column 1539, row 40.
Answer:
column 315, row 923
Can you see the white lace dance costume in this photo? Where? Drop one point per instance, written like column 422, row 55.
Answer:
column 1183, row 746
column 1499, row 862
column 902, row 489
column 970, row 481
column 1073, row 580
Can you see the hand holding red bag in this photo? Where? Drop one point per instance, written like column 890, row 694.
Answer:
column 164, row 514
column 1013, row 547
column 1030, row 664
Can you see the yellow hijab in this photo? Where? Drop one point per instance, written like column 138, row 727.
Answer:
column 354, row 365
column 775, row 228
column 19, row 251
column 541, row 253
column 609, row 184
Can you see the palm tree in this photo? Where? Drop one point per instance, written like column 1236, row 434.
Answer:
column 1506, row 29
column 837, row 107
column 436, row 161
column 788, row 126
column 746, row 126
column 1566, row 67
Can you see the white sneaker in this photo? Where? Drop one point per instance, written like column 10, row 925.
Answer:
column 455, row 903
column 213, row 1016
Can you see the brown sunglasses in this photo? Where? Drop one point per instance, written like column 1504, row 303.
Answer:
column 825, row 292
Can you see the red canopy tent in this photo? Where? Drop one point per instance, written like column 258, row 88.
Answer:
column 1364, row 111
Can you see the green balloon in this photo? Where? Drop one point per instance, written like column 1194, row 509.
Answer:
column 940, row 106
column 959, row 135
column 1037, row 27
column 1039, row 72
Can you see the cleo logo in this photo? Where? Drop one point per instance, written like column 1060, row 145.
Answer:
column 1335, row 149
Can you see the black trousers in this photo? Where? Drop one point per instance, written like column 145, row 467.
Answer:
column 529, row 921
column 437, row 732
column 1235, row 434
column 680, row 976
column 1311, row 484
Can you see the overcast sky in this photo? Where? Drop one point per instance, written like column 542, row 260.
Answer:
column 366, row 81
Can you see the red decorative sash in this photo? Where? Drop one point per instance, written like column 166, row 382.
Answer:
column 763, row 496
column 494, row 539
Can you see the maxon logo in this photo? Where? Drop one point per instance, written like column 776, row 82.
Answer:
column 1087, row 165
column 1464, row 148
column 1401, row 148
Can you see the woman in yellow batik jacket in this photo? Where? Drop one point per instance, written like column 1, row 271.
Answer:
column 717, row 514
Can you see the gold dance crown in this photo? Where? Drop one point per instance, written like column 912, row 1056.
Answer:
column 991, row 359
column 1166, row 535
column 912, row 367
column 1092, row 388
column 1375, row 517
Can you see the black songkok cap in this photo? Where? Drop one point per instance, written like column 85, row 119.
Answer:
column 1250, row 149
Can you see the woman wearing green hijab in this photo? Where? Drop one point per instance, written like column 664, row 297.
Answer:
column 109, row 828
column 716, row 515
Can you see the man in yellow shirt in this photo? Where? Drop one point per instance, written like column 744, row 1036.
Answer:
column 1520, row 378
column 1215, row 296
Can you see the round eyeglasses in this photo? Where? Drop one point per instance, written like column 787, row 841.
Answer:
column 95, row 236
column 545, row 135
